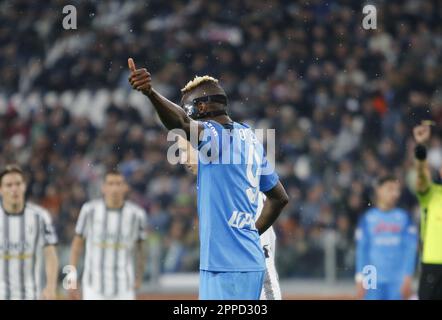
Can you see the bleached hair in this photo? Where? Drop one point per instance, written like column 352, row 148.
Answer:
column 197, row 81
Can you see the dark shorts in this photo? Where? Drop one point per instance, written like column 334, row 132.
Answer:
column 430, row 282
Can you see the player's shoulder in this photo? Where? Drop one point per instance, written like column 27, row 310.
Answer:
column 369, row 215
column 402, row 212
column 243, row 125
column 132, row 206
column 93, row 203
column 216, row 126
column 434, row 188
column 369, row 212
column 38, row 210
column 213, row 126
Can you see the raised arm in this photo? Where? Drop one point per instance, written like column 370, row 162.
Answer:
column 422, row 136
column 171, row 115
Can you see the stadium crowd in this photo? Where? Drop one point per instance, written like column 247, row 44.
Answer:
column 342, row 99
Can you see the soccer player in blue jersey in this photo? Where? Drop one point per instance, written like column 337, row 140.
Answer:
column 232, row 170
column 271, row 289
column 386, row 247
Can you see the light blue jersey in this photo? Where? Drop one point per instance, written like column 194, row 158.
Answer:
column 228, row 197
column 388, row 241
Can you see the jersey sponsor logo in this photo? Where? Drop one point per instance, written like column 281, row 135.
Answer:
column 20, row 256
column 15, row 246
column 114, row 237
column 242, row 220
column 112, row 240
column 387, row 241
column 383, row 227
column 17, row 250
column 111, row 245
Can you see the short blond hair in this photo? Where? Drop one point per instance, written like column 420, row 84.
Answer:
column 197, row 81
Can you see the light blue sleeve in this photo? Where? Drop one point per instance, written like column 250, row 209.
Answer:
column 269, row 178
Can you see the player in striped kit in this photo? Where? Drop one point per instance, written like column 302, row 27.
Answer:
column 26, row 238
column 270, row 289
column 113, row 230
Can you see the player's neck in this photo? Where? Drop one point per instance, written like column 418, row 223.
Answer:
column 114, row 206
column 13, row 208
column 384, row 207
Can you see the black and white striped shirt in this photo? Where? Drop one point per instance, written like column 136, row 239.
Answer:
column 22, row 239
column 110, row 241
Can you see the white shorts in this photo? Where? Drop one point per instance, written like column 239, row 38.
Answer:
column 91, row 294
column 270, row 289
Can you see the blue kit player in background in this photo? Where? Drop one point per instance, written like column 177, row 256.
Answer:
column 387, row 240
column 232, row 170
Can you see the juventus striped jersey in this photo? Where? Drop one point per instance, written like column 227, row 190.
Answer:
column 110, row 241
column 22, row 239
column 270, row 288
